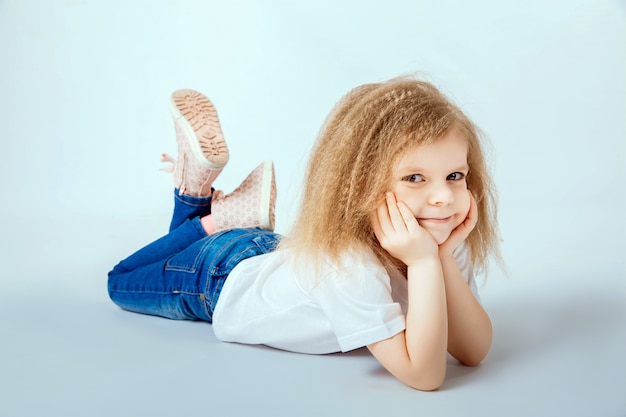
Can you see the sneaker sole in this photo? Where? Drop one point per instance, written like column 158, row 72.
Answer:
column 197, row 116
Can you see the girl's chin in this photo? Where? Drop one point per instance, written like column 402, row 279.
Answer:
column 440, row 236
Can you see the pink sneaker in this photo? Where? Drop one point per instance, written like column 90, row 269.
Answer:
column 202, row 150
column 252, row 204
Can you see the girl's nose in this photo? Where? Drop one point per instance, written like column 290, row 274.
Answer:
column 440, row 195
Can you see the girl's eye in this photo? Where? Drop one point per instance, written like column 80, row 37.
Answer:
column 413, row 178
column 456, row 176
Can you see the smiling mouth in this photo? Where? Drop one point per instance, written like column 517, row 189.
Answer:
column 435, row 219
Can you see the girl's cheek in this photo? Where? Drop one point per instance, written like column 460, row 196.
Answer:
column 462, row 208
column 464, row 203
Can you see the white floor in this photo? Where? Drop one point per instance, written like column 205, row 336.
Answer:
column 85, row 89
column 68, row 351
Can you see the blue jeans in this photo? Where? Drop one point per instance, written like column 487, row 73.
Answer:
column 180, row 276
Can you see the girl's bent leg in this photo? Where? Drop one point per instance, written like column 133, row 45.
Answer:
column 171, row 287
column 141, row 282
column 187, row 285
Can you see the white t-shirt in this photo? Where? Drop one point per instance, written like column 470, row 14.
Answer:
column 264, row 301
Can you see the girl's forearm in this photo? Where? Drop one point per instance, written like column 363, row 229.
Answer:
column 427, row 320
column 469, row 327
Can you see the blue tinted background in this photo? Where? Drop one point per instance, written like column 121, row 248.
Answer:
column 85, row 89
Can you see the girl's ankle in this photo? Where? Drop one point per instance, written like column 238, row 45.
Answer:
column 207, row 224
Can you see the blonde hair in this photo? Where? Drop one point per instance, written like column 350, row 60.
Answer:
column 349, row 169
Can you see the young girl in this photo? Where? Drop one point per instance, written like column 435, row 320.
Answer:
column 396, row 211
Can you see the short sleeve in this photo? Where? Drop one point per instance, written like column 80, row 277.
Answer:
column 358, row 305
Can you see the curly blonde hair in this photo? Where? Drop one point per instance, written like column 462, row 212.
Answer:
column 349, row 169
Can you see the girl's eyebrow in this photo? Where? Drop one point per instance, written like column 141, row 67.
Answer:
column 464, row 167
column 416, row 169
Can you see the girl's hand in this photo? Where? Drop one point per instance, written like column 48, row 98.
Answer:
column 399, row 233
column 462, row 231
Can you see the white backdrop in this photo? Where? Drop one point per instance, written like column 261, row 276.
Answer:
column 85, row 89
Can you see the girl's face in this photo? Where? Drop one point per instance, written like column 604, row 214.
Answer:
column 431, row 181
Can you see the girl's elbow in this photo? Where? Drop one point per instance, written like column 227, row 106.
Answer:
column 471, row 355
column 427, row 381
column 427, row 386
column 471, row 361
column 472, row 358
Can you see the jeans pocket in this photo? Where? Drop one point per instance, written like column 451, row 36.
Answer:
column 190, row 259
column 267, row 242
column 244, row 244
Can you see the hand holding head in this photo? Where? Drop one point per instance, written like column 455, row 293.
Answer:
column 399, row 233
column 462, row 231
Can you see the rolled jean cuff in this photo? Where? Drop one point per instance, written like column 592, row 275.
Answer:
column 192, row 200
